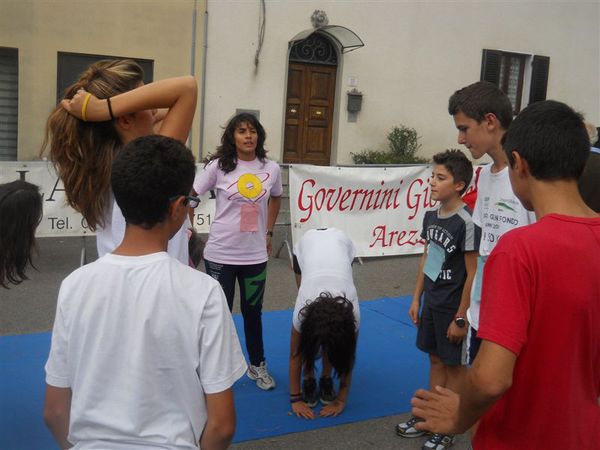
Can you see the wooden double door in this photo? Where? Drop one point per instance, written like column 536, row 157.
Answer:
column 309, row 114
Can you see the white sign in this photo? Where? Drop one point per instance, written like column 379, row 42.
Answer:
column 59, row 218
column 380, row 208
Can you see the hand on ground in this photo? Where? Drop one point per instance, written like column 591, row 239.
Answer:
column 438, row 408
column 334, row 409
column 301, row 409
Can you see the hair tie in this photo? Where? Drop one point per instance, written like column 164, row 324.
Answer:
column 110, row 112
column 84, row 107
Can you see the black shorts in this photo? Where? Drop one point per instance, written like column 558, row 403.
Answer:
column 474, row 344
column 431, row 336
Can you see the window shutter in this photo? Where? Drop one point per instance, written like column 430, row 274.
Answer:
column 9, row 103
column 490, row 66
column 539, row 78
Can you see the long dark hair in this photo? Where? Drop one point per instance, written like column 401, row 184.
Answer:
column 226, row 152
column 20, row 214
column 328, row 323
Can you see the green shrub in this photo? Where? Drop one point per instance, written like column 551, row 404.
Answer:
column 403, row 144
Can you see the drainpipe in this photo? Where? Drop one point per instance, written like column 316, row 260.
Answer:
column 193, row 58
column 203, row 85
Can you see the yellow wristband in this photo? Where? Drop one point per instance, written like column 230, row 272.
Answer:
column 84, row 107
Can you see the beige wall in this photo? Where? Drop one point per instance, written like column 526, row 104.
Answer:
column 152, row 29
column 416, row 55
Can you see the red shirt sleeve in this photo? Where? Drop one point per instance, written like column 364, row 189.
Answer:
column 506, row 299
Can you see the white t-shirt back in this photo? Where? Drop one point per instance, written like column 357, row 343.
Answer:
column 325, row 258
column 497, row 211
column 140, row 340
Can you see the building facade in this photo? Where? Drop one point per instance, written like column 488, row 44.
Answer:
column 415, row 55
column 44, row 44
column 324, row 85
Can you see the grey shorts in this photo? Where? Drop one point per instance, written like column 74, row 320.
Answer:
column 431, row 336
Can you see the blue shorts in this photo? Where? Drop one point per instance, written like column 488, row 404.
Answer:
column 431, row 336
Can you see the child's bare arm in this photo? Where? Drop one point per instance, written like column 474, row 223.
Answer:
column 299, row 407
column 57, row 410
column 220, row 425
column 449, row 412
column 413, row 311
column 455, row 333
column 178, row 95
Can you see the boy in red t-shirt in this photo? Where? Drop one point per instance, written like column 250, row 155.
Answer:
column 535, row 382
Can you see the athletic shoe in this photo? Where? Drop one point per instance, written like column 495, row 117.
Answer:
column 438, row 442
column 309, row 392
column 326, row 391
column 260, row 374
column 407, row 429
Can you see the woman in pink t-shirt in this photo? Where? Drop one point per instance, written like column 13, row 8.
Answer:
column 248, row 191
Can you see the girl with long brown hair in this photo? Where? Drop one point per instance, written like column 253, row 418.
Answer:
column 107, row 107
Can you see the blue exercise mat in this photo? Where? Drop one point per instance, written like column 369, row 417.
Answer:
column 388, row 370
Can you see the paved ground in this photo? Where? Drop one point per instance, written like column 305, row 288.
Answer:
column 30, row 307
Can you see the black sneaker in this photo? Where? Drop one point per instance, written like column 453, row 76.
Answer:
column 309, row 392
column 326, row 391
column 407, row 429
column 438, row 441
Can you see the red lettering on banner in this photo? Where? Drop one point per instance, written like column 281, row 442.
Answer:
column 397, row 238
column 418, row 196
column 301, row 206
column 345, row 196
column 332, row 199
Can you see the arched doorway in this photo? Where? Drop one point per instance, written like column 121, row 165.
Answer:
column 310, row 99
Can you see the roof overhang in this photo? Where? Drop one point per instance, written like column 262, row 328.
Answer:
column 345, row 38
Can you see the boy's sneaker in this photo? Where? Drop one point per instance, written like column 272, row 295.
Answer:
column 438, row 442
column 260, row 374
column 309, row 392
column 326, row 391
column 407, row 429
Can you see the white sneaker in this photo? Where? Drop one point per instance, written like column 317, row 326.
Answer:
column 260, row 374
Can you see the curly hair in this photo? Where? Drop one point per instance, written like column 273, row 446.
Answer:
column 328, row 323
column 20, row 214
column 226, row 153
column 82, row 152
column 147, row 174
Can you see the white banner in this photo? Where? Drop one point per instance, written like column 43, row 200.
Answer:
column 380, row 208
column 59, row 218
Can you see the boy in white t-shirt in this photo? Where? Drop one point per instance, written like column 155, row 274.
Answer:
column 482, row 114
column 144, row 351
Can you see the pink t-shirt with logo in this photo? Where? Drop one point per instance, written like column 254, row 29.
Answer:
column 238, row 231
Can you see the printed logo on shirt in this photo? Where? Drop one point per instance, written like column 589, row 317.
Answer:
column 441, row 236
column 249, row 186
column 504, row 205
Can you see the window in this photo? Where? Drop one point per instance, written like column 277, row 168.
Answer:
column 524, row 78
column 70, row 65
column 9, row 103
